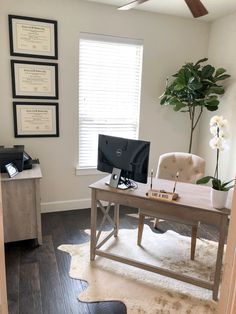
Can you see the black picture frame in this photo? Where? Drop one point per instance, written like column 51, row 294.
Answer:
column 36, row 119
column 23, row 72
column 33, row 37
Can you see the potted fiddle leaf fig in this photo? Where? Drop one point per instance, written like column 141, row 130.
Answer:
column 193, row 88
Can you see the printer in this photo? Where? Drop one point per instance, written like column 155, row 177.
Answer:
column 15, row 155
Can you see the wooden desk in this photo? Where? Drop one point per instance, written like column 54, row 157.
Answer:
column 193, row 205
column 21, row 205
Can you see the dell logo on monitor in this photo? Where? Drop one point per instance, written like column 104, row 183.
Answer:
column 118, row 152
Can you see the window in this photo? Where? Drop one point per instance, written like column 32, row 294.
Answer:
column 109, row 91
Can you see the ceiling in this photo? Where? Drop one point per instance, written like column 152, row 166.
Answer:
column 216, row 8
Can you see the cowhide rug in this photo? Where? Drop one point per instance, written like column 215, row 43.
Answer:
column 143, row 291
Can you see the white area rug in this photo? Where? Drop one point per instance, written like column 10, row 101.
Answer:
column 142, row 291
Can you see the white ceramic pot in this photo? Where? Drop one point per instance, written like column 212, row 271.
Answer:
column 218, row 198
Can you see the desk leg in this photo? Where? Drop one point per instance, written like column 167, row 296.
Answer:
column 93, row 225
column 220, row 252
column 116, row 219
column 140, row 228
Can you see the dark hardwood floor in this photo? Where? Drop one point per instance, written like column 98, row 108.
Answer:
column 37, row 278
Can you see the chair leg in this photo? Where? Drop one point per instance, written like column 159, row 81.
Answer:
column 156, row 221
column 193, row 241
column 140, row 228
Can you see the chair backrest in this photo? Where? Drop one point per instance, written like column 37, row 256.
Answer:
column 191, row 167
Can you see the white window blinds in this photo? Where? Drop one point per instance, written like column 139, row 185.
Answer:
column 109, row 91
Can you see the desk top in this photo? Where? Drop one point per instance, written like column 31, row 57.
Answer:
column 190, row 195
column 34, row 173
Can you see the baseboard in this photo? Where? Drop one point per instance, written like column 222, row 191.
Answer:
column 59, row 206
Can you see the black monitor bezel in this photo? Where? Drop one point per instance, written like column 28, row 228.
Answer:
column 136, row 176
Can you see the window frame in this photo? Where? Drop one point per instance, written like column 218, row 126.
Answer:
column 107, row 38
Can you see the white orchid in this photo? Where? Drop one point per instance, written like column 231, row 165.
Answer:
column 214, row 120
column 219, row 142
column 219, row 130
column 213, row 130
column 224, row 134
column 219, row 121
column 216, row 143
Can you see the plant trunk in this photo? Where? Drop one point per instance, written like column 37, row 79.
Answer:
column 191, row 131
column 191, row 141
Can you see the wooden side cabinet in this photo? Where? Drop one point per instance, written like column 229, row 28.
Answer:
column 21, row 205
column 3, row 288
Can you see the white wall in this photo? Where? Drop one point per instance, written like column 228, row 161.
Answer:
column 222, row 52
column 168, row 43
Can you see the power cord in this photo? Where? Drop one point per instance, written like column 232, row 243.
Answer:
column 130, row 184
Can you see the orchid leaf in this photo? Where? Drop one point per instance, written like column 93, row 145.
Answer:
column 226, row 183
column 229, row 187
column 217, row 184
column 204, row 180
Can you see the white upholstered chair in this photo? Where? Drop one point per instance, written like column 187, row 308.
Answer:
column 190, row 168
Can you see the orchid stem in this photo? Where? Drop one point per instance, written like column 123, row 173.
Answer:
column 217, row 162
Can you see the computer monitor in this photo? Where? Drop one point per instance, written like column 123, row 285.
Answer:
column 126, row 159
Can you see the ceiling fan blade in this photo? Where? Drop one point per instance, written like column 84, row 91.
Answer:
column 196, row 7
column 131, row 5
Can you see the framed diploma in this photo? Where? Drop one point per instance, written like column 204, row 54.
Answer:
column 34, row 79
column 36, row 119
column 32, row 37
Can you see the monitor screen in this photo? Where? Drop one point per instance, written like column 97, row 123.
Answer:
column 130, row 156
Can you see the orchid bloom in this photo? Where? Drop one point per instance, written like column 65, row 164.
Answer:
column 219, row 130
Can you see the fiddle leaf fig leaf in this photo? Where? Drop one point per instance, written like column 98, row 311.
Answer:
column 212, row 102
column 163, row 100
column 178, row 106
column 179, row 86
column 207, row 71
column 219, row 90
column 201, row 60
column 211, row 108
column 194, row 85
column 219, row 72
column 222, row 77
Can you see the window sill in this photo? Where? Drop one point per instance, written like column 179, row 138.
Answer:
column 88, row 172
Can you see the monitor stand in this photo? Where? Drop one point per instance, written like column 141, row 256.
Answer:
column 115, row 180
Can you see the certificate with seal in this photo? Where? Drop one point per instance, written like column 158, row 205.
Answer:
column 33, row 37
column 35, row 119
column 34, row 79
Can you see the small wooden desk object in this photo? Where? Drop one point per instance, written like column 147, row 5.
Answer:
column 162, row 195
column 21, row 205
